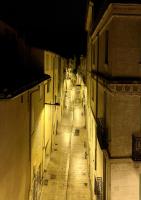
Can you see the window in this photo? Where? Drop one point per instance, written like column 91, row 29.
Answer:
column 93, row 56
column 136, row 148
column 106, row 46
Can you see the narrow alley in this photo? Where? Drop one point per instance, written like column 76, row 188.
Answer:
column 66, row 175
column 70, row 100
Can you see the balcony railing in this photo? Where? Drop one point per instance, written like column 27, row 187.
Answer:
column 98, row 188
column 136, row 148
column 102, row 133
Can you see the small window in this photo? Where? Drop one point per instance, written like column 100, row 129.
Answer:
column 136, row 148
column 93, row 55
column 106, row 46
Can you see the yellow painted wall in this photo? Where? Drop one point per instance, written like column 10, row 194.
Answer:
column 92, row 146
column 48, row 129
column 37, row 134
column 14, row 149
column 52, row 112
column 56, row 75
column 48, row 69
column 99, row 171
column 95, row 157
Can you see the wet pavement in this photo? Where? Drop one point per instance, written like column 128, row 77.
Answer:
column 66, row 176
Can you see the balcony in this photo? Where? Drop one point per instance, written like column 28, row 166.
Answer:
column 102, row 133
column 136, row 148
column 98, row 188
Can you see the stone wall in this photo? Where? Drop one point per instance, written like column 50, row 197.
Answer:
column 125, row 121
column 126, row 46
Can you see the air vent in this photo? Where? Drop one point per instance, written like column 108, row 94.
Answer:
column 76, row 132
column 52, row 176
column 45, row 182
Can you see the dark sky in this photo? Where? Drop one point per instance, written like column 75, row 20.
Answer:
column 56, row 25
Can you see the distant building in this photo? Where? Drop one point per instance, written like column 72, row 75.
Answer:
column 114, row 94
column 82, row 69
column 54, row 65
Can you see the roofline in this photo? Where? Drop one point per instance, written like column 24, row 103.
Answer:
column 22, row 89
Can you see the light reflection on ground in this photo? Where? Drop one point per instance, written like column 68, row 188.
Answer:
column 67, row 173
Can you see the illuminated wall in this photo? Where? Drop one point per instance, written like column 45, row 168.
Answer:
column 63, row 70
column 49, row 110
column 45, row 116
column 48, row 69
column 95, row 110
column 54, row 65
column 14, row 148
column 114, row 62
column 95, row 154
column 122, row 172
column 37, row 132
column 27, row 126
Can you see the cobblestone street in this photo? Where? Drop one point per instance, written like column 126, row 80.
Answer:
column 66, row 174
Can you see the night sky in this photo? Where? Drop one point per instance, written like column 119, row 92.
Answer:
column 56, row 25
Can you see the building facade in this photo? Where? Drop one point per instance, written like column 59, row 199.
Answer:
column 46, row 103
column 54, row 65
column 113, row 84
column 27, row 124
